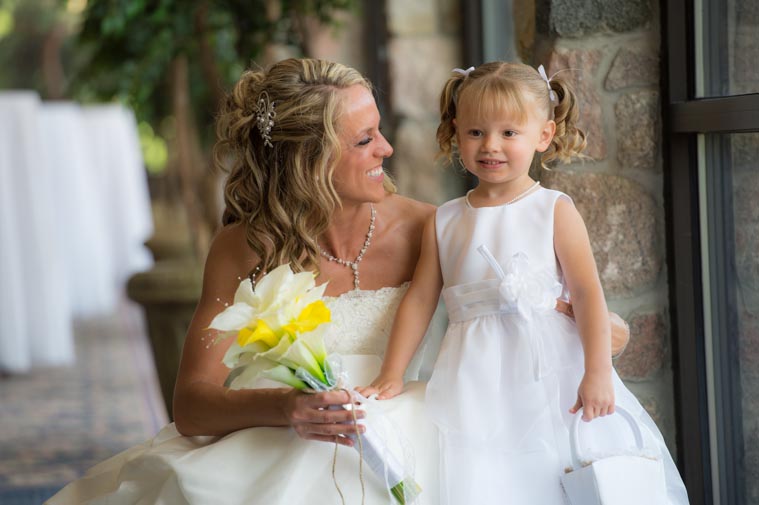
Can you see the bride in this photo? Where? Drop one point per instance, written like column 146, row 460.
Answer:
column 306, row 186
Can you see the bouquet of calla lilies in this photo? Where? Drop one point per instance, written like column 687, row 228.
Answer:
column 279, row 335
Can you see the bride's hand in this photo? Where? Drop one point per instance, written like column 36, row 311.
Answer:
column 386, row 387
column 620, row 330
column 310, row 416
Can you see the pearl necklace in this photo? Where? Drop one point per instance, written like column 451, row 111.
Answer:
column 354, row 264
column 515, row 199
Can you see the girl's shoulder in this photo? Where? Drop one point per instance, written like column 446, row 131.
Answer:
column 553, row 194
column 556, row 200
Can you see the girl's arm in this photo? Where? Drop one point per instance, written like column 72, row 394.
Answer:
column 412, row 319
column 202, row 405
column 620, row 330
column 596, row 392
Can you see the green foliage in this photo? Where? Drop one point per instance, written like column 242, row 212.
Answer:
column 24, row 26
column 129, row 45
column 154, row 149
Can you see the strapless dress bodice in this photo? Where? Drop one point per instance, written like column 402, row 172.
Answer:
column 362, row 320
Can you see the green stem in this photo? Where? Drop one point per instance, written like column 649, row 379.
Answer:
column 405, row 488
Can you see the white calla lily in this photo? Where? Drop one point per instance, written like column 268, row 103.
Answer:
column 245, row 377
column 300, row 356
column 234, row 317
column 237, row 356
column 314, row 340
column 245, row 293
column 273, row 288
column 283, row 374
column 276, row 352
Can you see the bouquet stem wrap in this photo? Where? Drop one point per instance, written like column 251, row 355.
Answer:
column 373, row 444
column 374, row 450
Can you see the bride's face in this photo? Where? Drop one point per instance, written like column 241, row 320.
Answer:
column 358, row 175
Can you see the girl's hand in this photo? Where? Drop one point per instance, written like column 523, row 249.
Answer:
column 386, row 387
column 595, row 395
column 310, row 416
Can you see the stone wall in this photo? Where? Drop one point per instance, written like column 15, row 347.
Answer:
column 609, row 49
column 424, row 45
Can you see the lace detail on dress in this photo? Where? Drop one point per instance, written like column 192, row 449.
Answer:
column 362, row 320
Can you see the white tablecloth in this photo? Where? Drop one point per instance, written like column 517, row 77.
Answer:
column 74, row 214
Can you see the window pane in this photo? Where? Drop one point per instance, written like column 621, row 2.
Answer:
column 729, row 183
column 746, row 215
column 727, row 47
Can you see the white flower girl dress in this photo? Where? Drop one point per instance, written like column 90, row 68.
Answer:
column 509, row 366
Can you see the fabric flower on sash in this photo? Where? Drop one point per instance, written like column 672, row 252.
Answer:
column 279, row 328
column 529, row 291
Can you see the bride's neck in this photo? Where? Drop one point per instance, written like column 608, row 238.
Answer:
column 347, row 231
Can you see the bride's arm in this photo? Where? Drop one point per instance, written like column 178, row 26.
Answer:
column 202, row 405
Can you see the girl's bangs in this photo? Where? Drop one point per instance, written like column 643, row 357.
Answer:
column 495, row 98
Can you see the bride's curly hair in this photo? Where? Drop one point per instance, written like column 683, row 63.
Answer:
column 283, row 193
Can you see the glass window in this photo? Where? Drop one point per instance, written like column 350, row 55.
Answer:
column 712, row 194
column 727, row 47
column 729, row 216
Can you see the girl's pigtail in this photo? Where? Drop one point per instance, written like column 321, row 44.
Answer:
column 569, row 140
column 446, row 131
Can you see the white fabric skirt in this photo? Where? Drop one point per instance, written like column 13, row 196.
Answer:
column 260, row 465
column 501, row 392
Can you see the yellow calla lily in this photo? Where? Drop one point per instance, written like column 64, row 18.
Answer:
column 313, row 315
column 261, row 332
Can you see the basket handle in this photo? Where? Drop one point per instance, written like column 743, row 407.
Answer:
column 574, row 434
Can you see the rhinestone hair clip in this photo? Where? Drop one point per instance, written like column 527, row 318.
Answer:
column 265, row 117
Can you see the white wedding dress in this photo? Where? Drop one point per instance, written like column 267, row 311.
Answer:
column 273, row 465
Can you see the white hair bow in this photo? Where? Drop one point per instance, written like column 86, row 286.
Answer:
column 463, row 72
column 551, row 94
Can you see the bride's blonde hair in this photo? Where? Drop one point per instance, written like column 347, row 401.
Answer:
column 282, row 191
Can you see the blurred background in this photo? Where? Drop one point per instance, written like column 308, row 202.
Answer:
column 108, row 200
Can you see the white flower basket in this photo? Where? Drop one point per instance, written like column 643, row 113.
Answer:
column 632, row 478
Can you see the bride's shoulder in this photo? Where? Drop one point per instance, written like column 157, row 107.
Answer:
column 406, row 213
column 230, row 253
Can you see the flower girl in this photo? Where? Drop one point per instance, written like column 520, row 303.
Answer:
column 512, row 372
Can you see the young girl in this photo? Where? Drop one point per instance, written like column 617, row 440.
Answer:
column 511, row 372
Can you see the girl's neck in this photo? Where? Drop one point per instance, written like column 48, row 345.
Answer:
column 488, row 195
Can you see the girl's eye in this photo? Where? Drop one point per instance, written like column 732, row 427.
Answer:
column 475, row 133
column 365, row 141
column 509, row 133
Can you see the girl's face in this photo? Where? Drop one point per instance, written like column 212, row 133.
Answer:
column 498, row 148
column 358, row 175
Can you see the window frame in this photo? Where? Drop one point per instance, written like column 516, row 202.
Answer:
column 685, row 118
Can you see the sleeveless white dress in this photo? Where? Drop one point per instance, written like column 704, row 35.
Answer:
column 507, row 372
column 273, row 465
